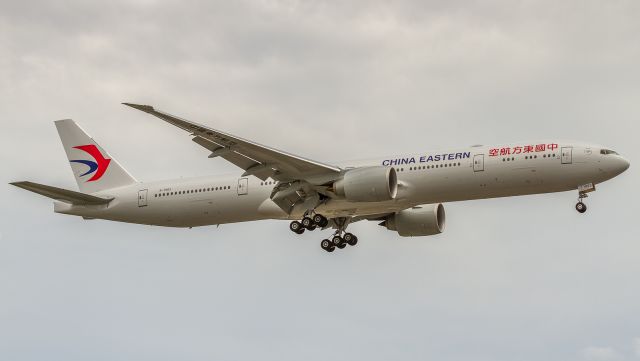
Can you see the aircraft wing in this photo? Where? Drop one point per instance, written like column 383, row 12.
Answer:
column 256, row 159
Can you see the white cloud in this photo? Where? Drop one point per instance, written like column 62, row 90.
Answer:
column 599, row 353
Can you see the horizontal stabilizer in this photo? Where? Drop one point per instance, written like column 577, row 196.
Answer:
column 64, row 195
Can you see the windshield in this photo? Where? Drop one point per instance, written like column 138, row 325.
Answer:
column 607, row 151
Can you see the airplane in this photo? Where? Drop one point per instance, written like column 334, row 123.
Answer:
column 403, row 193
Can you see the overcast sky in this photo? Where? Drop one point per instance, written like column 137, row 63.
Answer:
column 510, row 279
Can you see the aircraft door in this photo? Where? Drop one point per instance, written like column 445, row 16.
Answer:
column 142, row 198
column 243, row 186
column 566, row 155
column 478, row 163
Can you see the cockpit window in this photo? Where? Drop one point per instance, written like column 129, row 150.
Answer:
column 607, row 151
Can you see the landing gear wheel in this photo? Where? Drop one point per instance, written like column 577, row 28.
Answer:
column 350, row 239
column 338, row 242
column 308, row 223
column 581, row 207
column 320, row 220
column 327, row 245
column 295, row 227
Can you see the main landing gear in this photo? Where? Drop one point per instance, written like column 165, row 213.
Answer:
column 308, row 223
column 340, row 238
column 339, row 241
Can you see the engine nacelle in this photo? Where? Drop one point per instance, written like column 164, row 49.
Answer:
column 424, row 221
column 368, row 184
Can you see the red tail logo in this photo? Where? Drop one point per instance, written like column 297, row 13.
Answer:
column 98, row 167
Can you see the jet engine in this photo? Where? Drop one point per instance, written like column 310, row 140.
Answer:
column 425, row 220
column 368, row 184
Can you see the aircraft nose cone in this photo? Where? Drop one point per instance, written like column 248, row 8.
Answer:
column 621, row 165
column 625, row 165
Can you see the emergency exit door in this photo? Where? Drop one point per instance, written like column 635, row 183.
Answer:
column 478, row 162
column 142, row 198
column 243, row 186
column 566, row 155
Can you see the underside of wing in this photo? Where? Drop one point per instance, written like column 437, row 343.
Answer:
column 255, row 159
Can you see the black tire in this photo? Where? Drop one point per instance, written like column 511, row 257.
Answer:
column 300, row 231
column 330, row 249
column 326, row 244
column 350, row 239
column 312, row 228
column 295, row 226
column 307, row 223
column 342, row 245
column 320, row 220
column 337, row 241
column 581, row 207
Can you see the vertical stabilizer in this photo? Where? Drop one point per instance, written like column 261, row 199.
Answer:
column 94, row 169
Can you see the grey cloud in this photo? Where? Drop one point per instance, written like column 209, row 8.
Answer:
column 522, row 277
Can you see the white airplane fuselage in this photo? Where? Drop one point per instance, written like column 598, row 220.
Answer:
column 477, row 172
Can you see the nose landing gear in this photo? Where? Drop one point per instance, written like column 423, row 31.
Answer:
column 582, row 194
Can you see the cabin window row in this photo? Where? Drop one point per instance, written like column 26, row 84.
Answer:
column 190, row 191
column 553, row 155
column 435, row 166
column 267, row 183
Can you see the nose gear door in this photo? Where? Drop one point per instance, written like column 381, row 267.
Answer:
column 566, row 155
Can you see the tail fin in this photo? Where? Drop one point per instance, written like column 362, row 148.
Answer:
column 92, row 166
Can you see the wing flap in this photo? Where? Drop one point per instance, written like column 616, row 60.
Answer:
column 64, row 195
